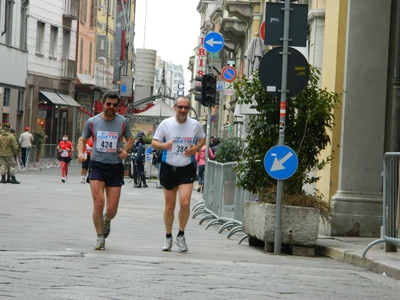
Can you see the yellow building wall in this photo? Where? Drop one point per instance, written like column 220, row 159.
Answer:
column 332, row 80
column 107, row 16
column 315, row 4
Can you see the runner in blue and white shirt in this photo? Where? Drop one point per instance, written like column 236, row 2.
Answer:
column 180, row 137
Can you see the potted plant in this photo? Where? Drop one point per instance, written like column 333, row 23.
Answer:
column 38, row 142
column 229, row 149
column 309, row 117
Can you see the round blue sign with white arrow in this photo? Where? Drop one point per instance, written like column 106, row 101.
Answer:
column 213, row 42
column 280, row 162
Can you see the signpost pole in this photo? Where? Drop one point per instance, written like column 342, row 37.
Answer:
column 213, row 42
column 208, row 130
column 282, row 119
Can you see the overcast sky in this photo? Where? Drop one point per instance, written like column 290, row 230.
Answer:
column 172, row 27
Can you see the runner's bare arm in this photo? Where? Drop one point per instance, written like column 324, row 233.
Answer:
column 192, row 150
column 128, row 147
column 81, row 145
column 157, row 145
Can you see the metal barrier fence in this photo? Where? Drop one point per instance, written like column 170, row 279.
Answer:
column 50, row 151
column 223, row 200
column 391, row 201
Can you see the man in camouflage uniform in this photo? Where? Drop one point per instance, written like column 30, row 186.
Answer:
column 8, row 148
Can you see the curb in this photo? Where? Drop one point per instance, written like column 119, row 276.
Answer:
column 359, row 261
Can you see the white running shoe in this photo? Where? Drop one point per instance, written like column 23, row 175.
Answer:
column 100, row 243
column 181, row 242
column 167, row 244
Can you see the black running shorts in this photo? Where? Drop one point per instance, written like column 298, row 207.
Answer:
column 86, row 163
column 111, row 174
column 64, row 159
column 171, row 176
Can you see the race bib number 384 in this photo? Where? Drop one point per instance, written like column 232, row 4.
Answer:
column 181, row 144
column 106, row 141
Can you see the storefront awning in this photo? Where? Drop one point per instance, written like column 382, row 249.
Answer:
column 70, row 101
column 84, row 79
column 54, row 98
column 60, row 99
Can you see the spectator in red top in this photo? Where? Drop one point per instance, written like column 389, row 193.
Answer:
column 201, row 162
column 64, row 149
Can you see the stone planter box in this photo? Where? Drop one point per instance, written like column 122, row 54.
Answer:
column 299, row 225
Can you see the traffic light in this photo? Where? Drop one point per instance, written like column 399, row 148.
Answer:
column 209, row 89
column 43, row 125
column 199, row 88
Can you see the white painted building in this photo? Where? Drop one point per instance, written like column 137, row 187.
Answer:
column 52, row 68
column 13, row 61
column 172, row 74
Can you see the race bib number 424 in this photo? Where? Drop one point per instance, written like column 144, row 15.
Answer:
column 106, row 141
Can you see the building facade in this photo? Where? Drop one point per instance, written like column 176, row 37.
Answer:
column 13, row 63
column 50, row 83
column 361, row 62
column 358, row 60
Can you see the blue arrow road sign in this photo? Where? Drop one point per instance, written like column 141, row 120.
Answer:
column 280, row 162
column 213, row 42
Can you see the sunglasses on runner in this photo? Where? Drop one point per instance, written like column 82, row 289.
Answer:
column 113, row 104
column 183, row 107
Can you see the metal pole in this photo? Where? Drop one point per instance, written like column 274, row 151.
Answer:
column 74, row 125
column 278, row 230
column 208, row 132
column 145, row 24
column 395, row 146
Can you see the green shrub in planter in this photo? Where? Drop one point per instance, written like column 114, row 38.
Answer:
column 39, row 140
column 309, row 117
column 229, row 150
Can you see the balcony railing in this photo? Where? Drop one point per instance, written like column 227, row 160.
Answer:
column 69, row 68
column 71, row 9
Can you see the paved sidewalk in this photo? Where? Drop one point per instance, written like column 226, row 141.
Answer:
column 350, row 250
column 345, row 249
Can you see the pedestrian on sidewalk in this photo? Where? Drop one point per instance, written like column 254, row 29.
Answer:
column 16, row 158
column 106, row 170
column 201, row 163
column 133, row 155
column 64, row 148
column 8, row 149
column 139, row 161
column 87, row 152
column 25, row 141
column 180, row 137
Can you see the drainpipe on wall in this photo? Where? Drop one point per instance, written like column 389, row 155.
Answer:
column 395, row 135
column 5, row 19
